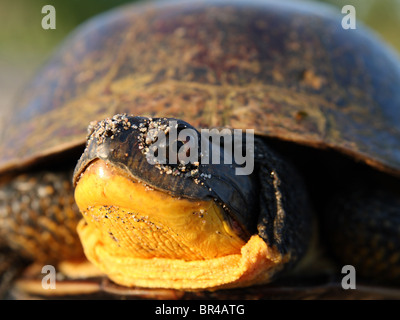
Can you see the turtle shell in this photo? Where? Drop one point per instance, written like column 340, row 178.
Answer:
column 287, row 70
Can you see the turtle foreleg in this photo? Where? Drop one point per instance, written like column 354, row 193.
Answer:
column 38, row 216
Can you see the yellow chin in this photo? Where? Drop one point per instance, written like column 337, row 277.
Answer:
column 139, row 236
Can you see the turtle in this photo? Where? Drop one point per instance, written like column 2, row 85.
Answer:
column 312, row 104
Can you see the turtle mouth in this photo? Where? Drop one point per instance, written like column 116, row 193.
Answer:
column 137, row 220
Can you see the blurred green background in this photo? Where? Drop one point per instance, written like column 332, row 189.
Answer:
column 24, row 45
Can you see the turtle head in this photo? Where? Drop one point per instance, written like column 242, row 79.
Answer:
column 156, row 215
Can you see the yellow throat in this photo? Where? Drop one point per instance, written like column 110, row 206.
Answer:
column 140, row 236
